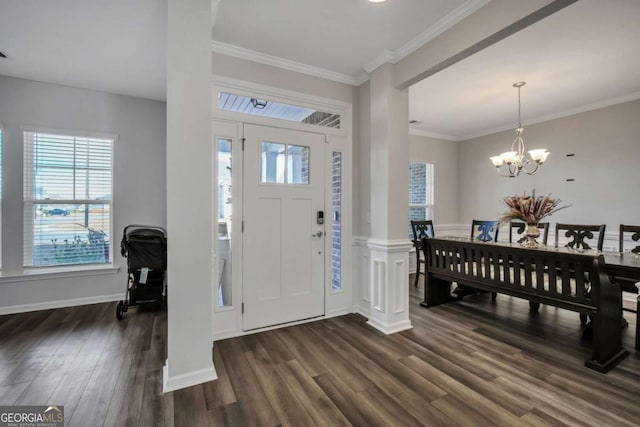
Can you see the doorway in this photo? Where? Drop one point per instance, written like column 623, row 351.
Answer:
column 283, row 227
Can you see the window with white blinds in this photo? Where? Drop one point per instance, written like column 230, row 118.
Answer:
column 67, row 199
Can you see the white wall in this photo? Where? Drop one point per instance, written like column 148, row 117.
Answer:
column 138, row 175
column 605, row 168
column 444, row 155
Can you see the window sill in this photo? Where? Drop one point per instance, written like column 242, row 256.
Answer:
column 46, row 273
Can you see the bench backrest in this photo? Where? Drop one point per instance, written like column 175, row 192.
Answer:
column 558, row 277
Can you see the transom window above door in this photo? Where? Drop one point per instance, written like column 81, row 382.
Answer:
column 284, row 163
column 277, row 110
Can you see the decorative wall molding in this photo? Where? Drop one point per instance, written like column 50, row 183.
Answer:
column 47, row 305
column 285, row 64
column 360, row 241
column 442, row 25
column 610, row 102
column 388, row 285
column 400, row 245
column 378, row 286
column 387, row 56
column 435, row 135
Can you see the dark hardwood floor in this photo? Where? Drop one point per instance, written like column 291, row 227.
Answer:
column 467, row 363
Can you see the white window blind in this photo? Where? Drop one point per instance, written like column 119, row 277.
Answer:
column 67, row 199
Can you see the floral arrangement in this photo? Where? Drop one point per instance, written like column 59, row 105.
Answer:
column 530, row 209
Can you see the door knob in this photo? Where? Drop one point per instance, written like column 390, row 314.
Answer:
column 318, row 234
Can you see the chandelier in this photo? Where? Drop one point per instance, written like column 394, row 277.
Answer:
column 515, row 160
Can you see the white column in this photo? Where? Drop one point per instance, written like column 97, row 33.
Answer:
column 389, row 244
column 189, row 203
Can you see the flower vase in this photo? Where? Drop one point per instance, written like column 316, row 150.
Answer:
column 532, row 232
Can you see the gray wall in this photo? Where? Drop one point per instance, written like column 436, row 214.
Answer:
column 139, row 175
column 605, row 167
column 362, row 156
column 444, row 155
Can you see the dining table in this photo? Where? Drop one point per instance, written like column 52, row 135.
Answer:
column 623, row 269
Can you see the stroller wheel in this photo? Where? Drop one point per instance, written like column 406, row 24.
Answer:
column 120, row 309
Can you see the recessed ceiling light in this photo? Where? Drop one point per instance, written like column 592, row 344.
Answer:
column 376, row 1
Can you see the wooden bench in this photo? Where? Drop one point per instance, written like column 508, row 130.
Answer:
column 557, row 277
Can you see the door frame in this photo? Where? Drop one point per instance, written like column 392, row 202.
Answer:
column 227, row 321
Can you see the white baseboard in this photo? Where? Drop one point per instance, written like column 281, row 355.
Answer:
column 389, row 329
column 365, row 312
column 234, row 333
column 48, row 305
column 337, row 313
column 189, row 379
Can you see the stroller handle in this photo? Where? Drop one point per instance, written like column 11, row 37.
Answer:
column 152, row 227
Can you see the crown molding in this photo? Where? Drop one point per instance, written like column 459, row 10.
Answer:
column 286, row 64
column 559, row 115
column 421, row 132
column 384, row 57
column 442, row 25
column 387, row 56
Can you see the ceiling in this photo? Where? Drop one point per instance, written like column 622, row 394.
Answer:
column 336, row 35
column 582, row 57
column 116, row 46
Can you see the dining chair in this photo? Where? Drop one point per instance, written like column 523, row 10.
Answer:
column 519, row 228
column 581, row 235
column 420, row 229
column 484, row 231
column 634, row 230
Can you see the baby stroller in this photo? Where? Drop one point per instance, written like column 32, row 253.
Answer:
column 145, row 248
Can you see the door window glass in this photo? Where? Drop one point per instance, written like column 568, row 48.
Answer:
column 273, row 162
column 284, row 163
column 297, row 164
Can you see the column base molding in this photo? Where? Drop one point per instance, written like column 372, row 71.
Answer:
column 390, row 329
column 188, row 379
column 389, row 285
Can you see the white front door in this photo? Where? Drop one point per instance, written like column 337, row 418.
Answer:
column 283, row 241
